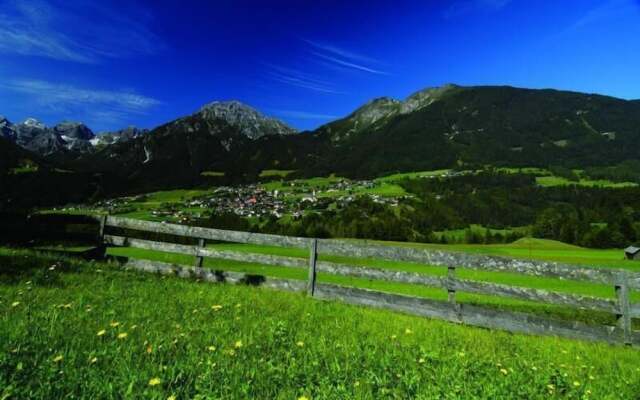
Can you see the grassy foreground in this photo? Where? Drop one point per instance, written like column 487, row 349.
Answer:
column 70, row 329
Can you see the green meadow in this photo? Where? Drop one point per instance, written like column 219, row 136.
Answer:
column 71, row 329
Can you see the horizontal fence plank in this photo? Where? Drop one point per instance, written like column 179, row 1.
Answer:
column 478, row 287
column 479, row 262
column 208, row 233
column 473, row 315
column 206, row 252
column 209, row 275
column 536, row 295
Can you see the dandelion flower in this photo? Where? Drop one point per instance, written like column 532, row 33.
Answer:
column 408, row 331
column 576, row 383
column 172, row 397
column 303, row 398
column 101, row 332
column 503, row 371
column 300, row 344
column 211, row 348
column 238, row 344
column 122, row 335
column 15, row 304
column 154, row 381
column 94, row 360
column 149, row 349
column 58, row 358
column 421, row 361
column 216, row 307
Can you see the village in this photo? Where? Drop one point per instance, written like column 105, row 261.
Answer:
column 273, row 199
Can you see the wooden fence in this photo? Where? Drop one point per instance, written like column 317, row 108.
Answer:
column 621, row 281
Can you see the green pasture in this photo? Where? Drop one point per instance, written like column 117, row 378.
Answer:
column 72, row 329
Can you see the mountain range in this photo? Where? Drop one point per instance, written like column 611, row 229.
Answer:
column 440, row 127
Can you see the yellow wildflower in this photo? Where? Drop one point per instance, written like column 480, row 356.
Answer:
column 504, row 371
column 154, row 381
column 408, row 331
column 149, row 349
column 421, row 361
column 58, row 358
column 576, row 383
column 211, row 348
column 216, row 307
column 114, row 324
column 303, row 398
column 15, row 304
column 300, row 344
column 94, row 360
column 551, row 387
column 122, row 335
column 238, row 344
column 172, row 397
column 101, row 332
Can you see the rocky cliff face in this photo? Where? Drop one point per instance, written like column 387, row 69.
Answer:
column 121, row 136
column 248, row 121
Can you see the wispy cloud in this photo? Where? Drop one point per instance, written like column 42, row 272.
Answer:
column 302, row 115
column 100, row 107
column 345, row 58
column 294, row 77
column 73, row 30
column 607, row 10
column 462, row 7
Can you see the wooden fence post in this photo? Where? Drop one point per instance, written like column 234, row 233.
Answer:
column 624, row 317
column 451, row 275
column 103, row 221
column 313, row 259
column 200, row 259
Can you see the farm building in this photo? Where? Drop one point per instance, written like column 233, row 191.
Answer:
column 632, row 253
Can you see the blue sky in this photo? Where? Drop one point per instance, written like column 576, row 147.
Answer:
column 117, row 63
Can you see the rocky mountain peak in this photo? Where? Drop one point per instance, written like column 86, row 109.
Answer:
column 74, row 130
column 6, row 128
column 34, row 123
column 426, row 97
column 247, row 120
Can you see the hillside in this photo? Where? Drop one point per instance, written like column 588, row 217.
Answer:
column 447, row 127
column 434, row 128
column 223, row 341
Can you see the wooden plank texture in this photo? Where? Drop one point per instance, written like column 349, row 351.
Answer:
column 475, row 261
column 473, row 315
column 208, row 233
column 450, row 283
column 210, row 275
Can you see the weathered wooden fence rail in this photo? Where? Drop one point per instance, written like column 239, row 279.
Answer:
column 620, row 281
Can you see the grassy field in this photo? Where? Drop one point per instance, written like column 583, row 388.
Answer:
column 280, row 173
column 71, row 329
column 559, row 181
column 525, row 248
column 458, row 235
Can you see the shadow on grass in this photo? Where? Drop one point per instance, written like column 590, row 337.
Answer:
column 40, row 268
